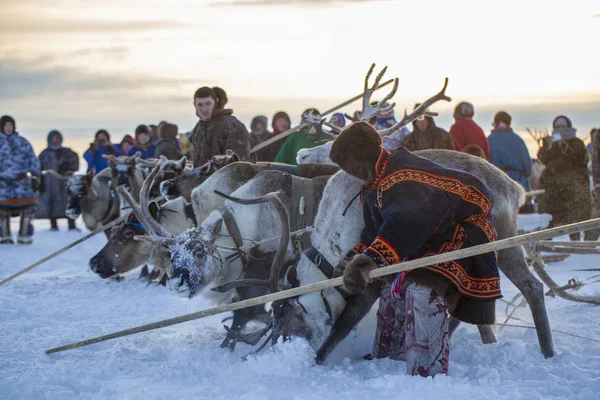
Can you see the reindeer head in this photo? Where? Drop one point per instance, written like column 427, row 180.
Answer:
column 78, row 189
column 195, row 262
column 122, row 170
column 188, row 181
column 290, row 316
column 122, row 253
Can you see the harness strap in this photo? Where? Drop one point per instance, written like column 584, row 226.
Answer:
column 234, row 232
column 137, row 225
column 320, row 261
column 111, row 203
column 302, row 211
column 189, row 212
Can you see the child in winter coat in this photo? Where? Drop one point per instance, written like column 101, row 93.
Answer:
column 143, row 143
column 17, row 189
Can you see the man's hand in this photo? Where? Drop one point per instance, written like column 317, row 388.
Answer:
column 64, row 167
column 35, row 183
column 356, row 274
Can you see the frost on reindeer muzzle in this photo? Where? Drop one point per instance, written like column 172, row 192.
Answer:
column 193, row 266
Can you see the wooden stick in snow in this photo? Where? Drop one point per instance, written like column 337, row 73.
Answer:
column 326, row 284
column 70, row 246
column 66, row 248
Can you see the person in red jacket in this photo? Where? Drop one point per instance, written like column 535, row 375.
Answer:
column 465, row 131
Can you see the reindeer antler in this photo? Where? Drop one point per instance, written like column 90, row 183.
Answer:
column 151, row 163
column 369, row 110
column 538, row 136
column 145, row 202
column 142, row 212
column 284, row 240
column 55, row 174
column 419, row 111
column 110, row 158
column 316, row 120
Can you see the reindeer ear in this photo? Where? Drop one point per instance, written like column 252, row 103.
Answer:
column 234, row 158
column 163, row 159
column 154, row 209
column 137, row 154
column 218, row 226
column 182, row 163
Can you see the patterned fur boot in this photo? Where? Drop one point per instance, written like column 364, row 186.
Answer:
column 26, row 227
column 5, row 236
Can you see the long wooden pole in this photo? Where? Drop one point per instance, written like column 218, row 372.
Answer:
column 66, row 248
column 70, row 246
column 326, row 284
column 303, row 125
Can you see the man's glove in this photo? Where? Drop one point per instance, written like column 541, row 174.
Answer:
column 356, row 274
column 64, row 167
column 35, row 183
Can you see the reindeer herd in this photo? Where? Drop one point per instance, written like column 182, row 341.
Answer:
column 231, row 230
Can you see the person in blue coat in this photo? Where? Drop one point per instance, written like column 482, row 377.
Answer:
column 508, row 150
column 19, row 180
column 143, row 143
column 101, row 146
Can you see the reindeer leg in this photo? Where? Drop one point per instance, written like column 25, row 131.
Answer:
column 242, row 317
column 144, row 273
column 453, row 323
column 487, row 334
column 512, row 262
column 356, row 308
column 485, row 331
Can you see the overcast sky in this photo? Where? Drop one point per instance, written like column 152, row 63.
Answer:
column 77, row 66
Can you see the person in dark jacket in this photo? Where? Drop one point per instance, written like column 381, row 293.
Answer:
column 446, row 210
column 465, row 131
column 17, row 188
column 258, row 134
column 281, row 122
column 508, row 150
column 53, row 191
column 143, row 143
column 166, row 145
column 101, row 146
column 426, row 135
column 565, row 178
column 258, row 130
column 217, row 130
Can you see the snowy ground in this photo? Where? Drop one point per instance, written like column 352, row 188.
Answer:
column 62, row 302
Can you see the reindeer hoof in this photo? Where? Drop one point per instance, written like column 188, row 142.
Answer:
column 163, row 281
column 144, row 273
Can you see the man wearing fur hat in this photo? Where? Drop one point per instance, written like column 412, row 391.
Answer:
column 413, row 208
column 565, row 177
column 218, row 130
column 167, row 145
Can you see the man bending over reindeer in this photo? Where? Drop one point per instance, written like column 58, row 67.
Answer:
column 414, row 208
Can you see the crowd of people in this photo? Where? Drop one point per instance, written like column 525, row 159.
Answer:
column 25, row 192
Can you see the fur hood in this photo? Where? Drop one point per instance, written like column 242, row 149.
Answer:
column 167, row 131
